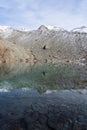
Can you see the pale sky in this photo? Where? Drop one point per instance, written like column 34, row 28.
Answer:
column 68, row 14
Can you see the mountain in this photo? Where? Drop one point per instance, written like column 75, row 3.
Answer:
column 25, row 29
column 13, row 57
column 50, row 44
column 5, row 31
column 55, row 28
column 82, row 29
column 42, row 28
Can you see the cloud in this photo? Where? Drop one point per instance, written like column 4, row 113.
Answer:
column 33, row 13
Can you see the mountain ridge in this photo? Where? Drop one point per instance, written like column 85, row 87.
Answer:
column 51, row 46
column 8, row 29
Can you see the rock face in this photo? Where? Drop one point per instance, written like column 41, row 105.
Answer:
column 42, row 28
column 11, row 51
column 52, row 45
column 12, row 56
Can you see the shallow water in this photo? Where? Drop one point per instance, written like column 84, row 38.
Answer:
column 43, row 78
column 30, row 110
column 43, row 98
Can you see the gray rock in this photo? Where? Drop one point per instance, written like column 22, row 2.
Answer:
column 55, row 111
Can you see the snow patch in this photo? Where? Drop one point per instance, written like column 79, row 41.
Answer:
column 5, row 31
column 25, row 29
column 80, row 29
column 55, row 28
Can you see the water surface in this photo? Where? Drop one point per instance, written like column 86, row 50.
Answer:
column 45, row 77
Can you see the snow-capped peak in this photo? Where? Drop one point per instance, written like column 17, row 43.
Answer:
column 5, row 27
column 80, row 29
column 42, row 28
column 25, row 29
column 55, row 28
column 5, row 31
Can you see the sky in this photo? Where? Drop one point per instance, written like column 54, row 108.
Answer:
column 68, row 14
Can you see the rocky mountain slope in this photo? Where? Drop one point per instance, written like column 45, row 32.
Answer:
column 50, row 44
column 13, row 57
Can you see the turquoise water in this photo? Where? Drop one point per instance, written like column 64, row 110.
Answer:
column 45, row 77
column 49, row 90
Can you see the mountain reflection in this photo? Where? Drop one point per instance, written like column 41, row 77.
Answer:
column 44, row 77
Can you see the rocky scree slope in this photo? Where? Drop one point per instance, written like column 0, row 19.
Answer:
column 52, row 45
column 12, row 56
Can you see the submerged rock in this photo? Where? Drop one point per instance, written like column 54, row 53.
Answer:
column 22, row 110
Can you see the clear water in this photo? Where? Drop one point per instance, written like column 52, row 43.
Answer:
column 44, row 77
column 49, row 87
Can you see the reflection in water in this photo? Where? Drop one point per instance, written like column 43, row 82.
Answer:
column 44, row 77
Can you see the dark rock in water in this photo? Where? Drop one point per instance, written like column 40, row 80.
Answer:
column 66, row 110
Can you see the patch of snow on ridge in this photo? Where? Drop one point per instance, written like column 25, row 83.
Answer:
column 25, row 29
column 5, row 31
column 4, row 27
column 80, row 29
column 55, row 28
